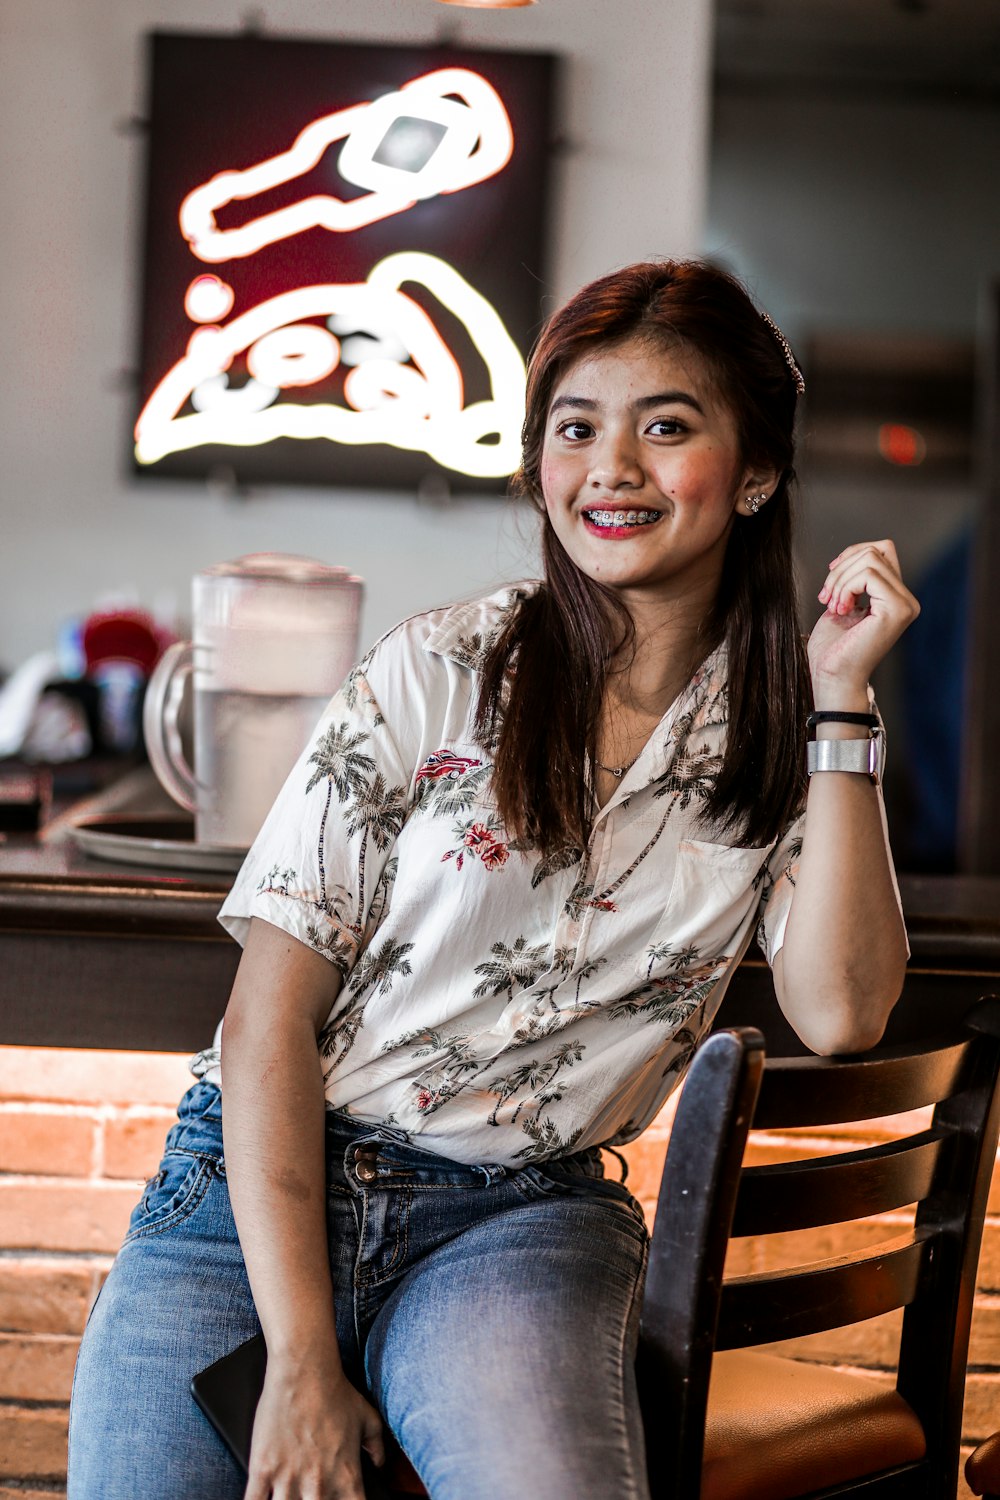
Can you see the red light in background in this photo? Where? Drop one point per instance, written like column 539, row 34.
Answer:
column 901, row 445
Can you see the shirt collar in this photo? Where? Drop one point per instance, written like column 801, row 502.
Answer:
column 466, row 630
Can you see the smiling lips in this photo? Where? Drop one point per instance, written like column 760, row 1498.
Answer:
column 619, row 522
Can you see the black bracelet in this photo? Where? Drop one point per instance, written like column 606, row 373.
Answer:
column 834, row 716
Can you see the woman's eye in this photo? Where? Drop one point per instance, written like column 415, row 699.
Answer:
column 666, row 427
column 576, row 429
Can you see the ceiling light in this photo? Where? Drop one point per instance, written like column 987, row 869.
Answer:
column 489, row 4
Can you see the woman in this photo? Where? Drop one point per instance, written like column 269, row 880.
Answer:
column 487, row 922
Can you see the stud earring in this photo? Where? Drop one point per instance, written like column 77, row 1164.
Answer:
column 754, row 502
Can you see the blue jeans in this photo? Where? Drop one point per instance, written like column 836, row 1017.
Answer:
column 491, row 1314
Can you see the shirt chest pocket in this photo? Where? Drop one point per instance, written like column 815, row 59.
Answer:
column 714, row 889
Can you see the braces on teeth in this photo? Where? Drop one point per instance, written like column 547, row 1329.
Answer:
column 622, row 518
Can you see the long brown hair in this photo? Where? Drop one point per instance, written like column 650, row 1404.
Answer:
column 544, row 677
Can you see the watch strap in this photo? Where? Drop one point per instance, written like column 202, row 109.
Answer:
column 840, row 716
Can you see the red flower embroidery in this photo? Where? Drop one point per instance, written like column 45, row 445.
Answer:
column 479, row 842
column 425, row 1099
column 483, row 843
column 494, row 854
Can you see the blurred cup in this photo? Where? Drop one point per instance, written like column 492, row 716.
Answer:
column 120, row 687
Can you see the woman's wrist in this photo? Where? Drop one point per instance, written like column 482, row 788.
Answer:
column 319, row 1353
column 833, row 696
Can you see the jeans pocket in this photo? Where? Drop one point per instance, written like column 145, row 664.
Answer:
column 197, row 1130
column 173, row 1194
column 534, row 1183
column 555, row 1182
column 202, row 1101
column 608, row 1190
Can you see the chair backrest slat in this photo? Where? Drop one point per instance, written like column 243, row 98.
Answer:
column 763, row 1308
column 832, row 1189
column 830, row 1091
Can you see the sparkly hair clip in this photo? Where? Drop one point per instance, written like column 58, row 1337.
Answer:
column 786, row 350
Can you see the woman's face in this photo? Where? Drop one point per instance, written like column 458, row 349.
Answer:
column 641, row 471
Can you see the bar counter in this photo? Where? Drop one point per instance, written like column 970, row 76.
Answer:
column 94, row 954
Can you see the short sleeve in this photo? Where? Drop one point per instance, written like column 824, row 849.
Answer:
column 778, row 888
column 320, row 857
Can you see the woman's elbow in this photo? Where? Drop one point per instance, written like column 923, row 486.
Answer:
column 843, row 1041
column 846, row 1012
column 846, row 1026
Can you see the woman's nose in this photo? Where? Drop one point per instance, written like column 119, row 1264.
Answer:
column 615, row 463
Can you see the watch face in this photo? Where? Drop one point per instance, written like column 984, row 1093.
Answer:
column 862, row 757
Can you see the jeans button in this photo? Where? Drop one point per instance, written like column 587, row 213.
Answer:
column 365, row 1168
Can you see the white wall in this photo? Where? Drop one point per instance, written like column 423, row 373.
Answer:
column 74, row 525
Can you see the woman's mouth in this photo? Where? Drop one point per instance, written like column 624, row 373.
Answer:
column 619, row 523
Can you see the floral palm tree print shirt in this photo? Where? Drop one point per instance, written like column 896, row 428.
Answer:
column 495, row 1005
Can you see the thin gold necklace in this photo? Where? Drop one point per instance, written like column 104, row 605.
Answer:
column 616, row 771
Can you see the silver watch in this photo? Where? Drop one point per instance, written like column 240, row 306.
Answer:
column 865, row 757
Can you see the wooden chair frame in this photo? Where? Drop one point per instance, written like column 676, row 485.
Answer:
column 707, row 1196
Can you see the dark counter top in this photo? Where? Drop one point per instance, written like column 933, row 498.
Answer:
column 115, row 955
column 953, row 921
column 53, row 887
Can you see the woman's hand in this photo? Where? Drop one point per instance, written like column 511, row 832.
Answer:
column 851, row 637
column 310, row 1428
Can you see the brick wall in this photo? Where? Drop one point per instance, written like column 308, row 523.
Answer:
column 81, row 1131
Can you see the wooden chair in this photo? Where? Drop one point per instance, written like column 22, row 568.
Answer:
column 724, row 1422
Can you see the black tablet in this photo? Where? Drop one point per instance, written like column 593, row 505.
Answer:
column 228, row 1392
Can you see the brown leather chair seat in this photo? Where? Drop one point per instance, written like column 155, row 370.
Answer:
column 982, row 1468
column 778, row 1428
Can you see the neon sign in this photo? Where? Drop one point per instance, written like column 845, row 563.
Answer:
column 341, row 303
column 208, row 299
column 477, row 141
column 417, row 406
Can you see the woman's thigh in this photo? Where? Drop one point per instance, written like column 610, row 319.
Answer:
column 177, row 1298
column 504, row 1362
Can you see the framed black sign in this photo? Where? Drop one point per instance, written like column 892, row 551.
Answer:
column 344, row 255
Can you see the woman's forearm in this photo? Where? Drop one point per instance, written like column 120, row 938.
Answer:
column 841, row 967
column 311, row 1424
column 273, row 1111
